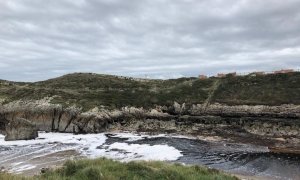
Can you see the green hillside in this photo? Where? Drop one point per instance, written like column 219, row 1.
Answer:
column 272, row 89
column 89, row 90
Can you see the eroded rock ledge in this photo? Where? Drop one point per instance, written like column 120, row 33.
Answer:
column 216, row 119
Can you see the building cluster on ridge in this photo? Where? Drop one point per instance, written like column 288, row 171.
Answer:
column 256, row 73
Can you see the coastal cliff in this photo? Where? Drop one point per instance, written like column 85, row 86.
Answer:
column 258, row 123
column 268, row 112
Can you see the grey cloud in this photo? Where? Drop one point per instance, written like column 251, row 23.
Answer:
column 159, row 38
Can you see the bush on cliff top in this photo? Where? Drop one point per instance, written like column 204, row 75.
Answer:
column 108, row 169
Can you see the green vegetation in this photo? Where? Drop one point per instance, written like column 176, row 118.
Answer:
column 272, row 89
column 90, row 90
column 110, row 170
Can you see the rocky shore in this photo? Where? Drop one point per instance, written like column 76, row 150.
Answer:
column 275, row 126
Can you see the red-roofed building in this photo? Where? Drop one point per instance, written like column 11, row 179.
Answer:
column 284, row 71
column 220, row 75
column 202, row 76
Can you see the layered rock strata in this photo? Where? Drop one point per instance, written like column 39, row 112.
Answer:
column 215, row 119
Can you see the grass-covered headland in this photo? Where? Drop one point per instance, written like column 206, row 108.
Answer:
column 88, row 90
column 113, row 170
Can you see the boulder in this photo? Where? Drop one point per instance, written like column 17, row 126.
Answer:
column 177, row 109
column 3, row 123
column 20, row 129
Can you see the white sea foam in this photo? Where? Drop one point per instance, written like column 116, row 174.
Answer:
column 127, row 152
column 21, row 154
column 57, row 138
column 135, row 137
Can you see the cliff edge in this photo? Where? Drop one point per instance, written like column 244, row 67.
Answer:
column 261, row 109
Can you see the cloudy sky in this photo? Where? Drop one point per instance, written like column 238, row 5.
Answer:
column 159, row 38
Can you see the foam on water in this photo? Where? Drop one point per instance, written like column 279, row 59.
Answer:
column 135, row 137
column 54, row 148
column 86, row 139
column 126, row 152
column 25, row 155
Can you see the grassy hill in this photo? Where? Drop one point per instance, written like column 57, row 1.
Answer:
column 273, row 89
column 89, row 90
column 112, row 170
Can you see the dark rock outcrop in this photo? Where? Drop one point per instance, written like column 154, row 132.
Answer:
column 3, row 123
column 20, row 129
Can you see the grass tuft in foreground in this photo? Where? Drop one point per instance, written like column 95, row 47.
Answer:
column 108, row 169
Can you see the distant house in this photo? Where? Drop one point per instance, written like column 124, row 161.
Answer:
column 202, row 76
column 257, row 73
column 220, row 75
column 284, row 71
column 231, row 74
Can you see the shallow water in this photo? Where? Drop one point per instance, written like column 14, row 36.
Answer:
column 235, row 158
column 53, row 148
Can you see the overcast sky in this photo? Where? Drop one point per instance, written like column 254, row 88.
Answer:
column 160, row 38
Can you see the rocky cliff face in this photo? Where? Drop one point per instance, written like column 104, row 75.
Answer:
column 3, row 123
column 53, row 117
column 20, row 129
column 283, row 111
column 216, row 119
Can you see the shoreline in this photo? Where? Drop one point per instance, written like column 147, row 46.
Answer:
column 131, row 137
